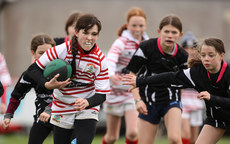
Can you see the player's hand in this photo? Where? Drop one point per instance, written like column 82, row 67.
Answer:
column 80, row 104
column 6, row 123
column 141, row 107
column 204, row 95
column 115, row 79
column 44, row 117
column 54, row 84
column 3, row 108
column 130, row 79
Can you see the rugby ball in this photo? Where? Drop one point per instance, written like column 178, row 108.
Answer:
column 58, row 66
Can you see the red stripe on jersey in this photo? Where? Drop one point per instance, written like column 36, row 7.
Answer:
column 102, row 91
column 56, row 53
column 105, row 78
column 38, row 62
column 60, row 102
column 111, row 60
column 78, row 92
column 116, row 53
column 47, row 53
column 58, row 105
column 94, row 109
column 104, row 74
column 88, row 60
column 104, row 70
column 53, row 57
column 64, row 111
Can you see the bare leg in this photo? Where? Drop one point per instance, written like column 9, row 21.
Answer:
column 210, row 135
column 173, row 125
column 131, row 124
column 146, row 131
column 113, row 124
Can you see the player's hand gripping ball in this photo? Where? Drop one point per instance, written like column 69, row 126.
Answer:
column 58, row 66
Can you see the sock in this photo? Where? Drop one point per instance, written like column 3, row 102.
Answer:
column 127, row 141
column 103, row 140
column 185, row 141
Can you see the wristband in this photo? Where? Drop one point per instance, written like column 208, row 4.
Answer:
column 136, row 101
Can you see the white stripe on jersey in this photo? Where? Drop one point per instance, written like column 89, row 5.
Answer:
column 140, row 53
column 187, row 73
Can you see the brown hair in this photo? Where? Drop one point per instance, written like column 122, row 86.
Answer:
column 40, row 39
column 171, row 20
column 135, row 11
column 214, row 42
column 86, row 22
column 71, row 20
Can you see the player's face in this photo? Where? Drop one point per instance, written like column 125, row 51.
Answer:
column 136, row 25
column 211, row 59
column 169, row 35
column 87, row 39
column 40, row 50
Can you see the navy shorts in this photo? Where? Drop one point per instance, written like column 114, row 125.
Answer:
column 157, row 111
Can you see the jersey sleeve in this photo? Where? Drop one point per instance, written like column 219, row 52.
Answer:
column 22, row 87
column 223, row 102
column 180, row 79
column 102, row 84
column 113, row 55
column 137, row 61
column 58, row 52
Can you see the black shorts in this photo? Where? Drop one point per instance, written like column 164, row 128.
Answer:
column 157, row 111
column 217, row 123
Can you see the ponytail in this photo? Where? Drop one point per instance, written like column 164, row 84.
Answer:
column 74, row 52
column 121, row 29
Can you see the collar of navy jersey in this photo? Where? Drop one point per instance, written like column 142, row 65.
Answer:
column 160, row 49
column 223, row 68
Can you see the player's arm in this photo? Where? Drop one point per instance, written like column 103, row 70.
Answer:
column 95, row 100
column 36, row 73
column 22, row 87
column 220, row 101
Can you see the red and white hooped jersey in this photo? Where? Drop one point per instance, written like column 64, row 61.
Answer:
column 90, row 68
column 189, row 100
column 4, row 73
column 118, row 58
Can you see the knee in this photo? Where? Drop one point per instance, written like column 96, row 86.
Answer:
column 132, row 135
column 174, row 139
column 111, row 139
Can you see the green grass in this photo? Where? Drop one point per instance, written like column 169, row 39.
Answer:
column 22, row 139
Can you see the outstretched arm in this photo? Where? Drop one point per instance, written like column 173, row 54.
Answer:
column 134, row 81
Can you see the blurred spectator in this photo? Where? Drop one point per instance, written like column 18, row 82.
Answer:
column 5, row 80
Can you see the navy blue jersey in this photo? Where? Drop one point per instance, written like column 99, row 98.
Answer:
column 151, row 56
column 24, row 85
column 218, row 85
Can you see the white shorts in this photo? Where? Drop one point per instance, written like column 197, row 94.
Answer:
column 195, row 117
column 67, row 120
column 118, row 109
